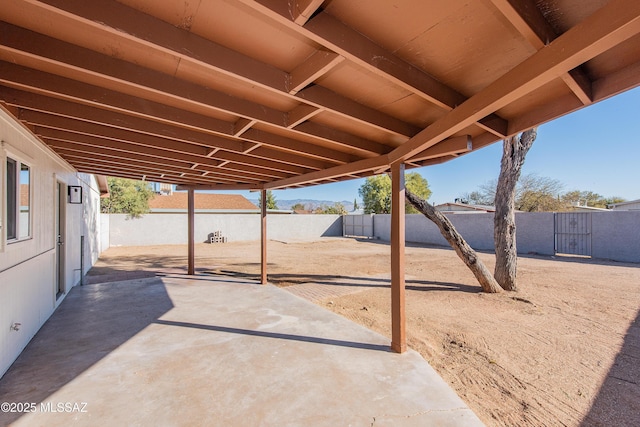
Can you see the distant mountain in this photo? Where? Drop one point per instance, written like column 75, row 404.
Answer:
column 308, row 203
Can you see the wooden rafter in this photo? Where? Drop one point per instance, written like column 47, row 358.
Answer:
column 301, row 10
column 312, row 100
column 153, row 143
column 456, row 145
column 527, row 19
column 119, row 120
column 317, row 65
column 126, row 23
column 337, row 37
column 608, row 27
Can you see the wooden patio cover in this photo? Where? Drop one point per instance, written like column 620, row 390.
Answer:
column 270, row 94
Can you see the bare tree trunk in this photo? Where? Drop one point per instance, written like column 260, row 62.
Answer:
column 504, row 231
column 464, row 251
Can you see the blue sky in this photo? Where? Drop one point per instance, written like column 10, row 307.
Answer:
column 595, row 149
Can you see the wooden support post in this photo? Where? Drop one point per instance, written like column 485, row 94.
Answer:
column 398, row 321
column 263, row 237
column 190, row 230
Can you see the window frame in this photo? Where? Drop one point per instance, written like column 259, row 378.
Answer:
column 16, row 194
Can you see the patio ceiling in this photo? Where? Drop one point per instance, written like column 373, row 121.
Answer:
column 286, row 93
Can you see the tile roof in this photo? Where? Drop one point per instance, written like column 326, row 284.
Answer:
column 202, row 201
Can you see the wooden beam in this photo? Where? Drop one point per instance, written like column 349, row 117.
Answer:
column 242, row 125
column 220, row 187
column 398, row 317
column 136, row 161
column 494, row 124
column 301, row 113
column 321, row 62
column 580, row 84
column 365, row 165
column 616, row 83
column 57, row 87
column 93, row 169
column 263, row 237
column 337, row 37
column 345, row 107
column 132, row 160
column 123, row 169
column 301, row 10
column 603, row 88
column 544, row 113
column 437, row 161
column 146, row 32
column 527, row 19
column 72, row 61
column 456, row 145
column 128, row 26
column 350, row 143
column 296, row 146
column 35, row 79
column 289, row 158
column 107, row 133
column 191, row 231
column 612, row 24
column 609, row 26
column 277, row 161
column 157, row 149
column 60, row 107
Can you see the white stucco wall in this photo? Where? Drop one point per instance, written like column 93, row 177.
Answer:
column 28, row 266
column 104, row 232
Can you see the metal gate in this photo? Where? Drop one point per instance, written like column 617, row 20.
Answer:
column 573, row 233
column 357, row 225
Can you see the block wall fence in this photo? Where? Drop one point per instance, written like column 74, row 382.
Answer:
column 615, row 235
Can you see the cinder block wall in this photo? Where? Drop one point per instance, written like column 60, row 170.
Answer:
column 534, row 233
column 615, row 235
column 171, row 229
column 477, row 229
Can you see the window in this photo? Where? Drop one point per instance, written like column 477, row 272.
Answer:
column 18, row 200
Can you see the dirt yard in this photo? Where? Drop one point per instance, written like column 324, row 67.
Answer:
column 548, row 355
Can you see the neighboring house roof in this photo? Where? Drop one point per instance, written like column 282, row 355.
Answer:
column 623, row 204
column 463, row 207
column 587, row 209
column 203, row 201
column 24, row 194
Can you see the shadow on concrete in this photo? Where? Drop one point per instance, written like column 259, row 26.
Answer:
column 618, row 400
column 138, row 267
column 145, row 262
column 89, row 324
column 275, row 335
column 114, row 275
column 284, row 280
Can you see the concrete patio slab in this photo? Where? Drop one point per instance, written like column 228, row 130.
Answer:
column 203, row 350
